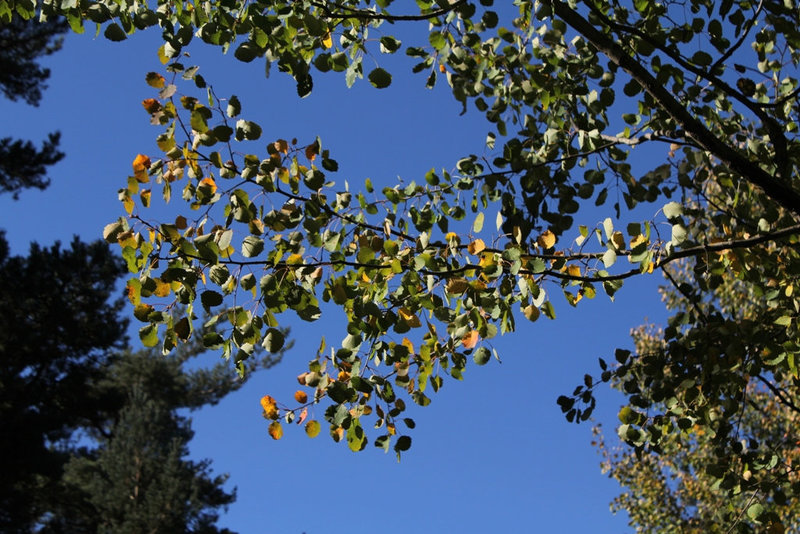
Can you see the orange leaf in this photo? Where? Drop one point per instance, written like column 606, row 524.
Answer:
column 209, row 183
column 151, row 105
column 300, row 396
column 141, row 163
column 312, row 150
column 275, row 430
column 270, row 407
column 547, row 239
column 574, row 270
column 476, row 247
column 281, row 146
column 471, row 339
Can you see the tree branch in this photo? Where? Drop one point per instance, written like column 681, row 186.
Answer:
column 780, row 394
column 779, row 192
column 349, row 12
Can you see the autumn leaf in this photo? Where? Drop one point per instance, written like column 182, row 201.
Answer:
column 327, row 41
column 275, row 430
column 409, row 318
column 476, row 247
column 408, row 344
column 574, row 270
column 151, row 105
column 638, row 240
column 312, row 150
column 140, row 165
column 312, row 429
column 270, row 407
column 457, row 286
column 208, row 183
column 619, row 240
column 302, row 416
column 162, row 288
column 300, row 396
column 547, row 239
column 281, row 146
column 154, row 79
column 470, row 339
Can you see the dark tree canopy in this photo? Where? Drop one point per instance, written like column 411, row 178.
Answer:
column 22, row 44
column 58, row 332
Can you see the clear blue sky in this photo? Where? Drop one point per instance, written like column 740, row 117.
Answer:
column 490, row 454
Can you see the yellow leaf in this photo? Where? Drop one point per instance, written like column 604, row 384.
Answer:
column 547, row 239
column 638, row 240
column 327, row 41
column 145, row 196
column 337, row 434
column 162, row 288
column 487, row 259
column 408, row 344
column 391, row 429
column 154, row 79
column 270, row 407
column 275, row 430
column 294, row 259
column 409, row 318
column 365, row 278
column 476, row 247
column 300, row 396
column 470, row 339
column 127, row 203
column 574, row 270
column 312, row 429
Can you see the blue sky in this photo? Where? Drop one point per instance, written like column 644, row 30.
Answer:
column 491, row 453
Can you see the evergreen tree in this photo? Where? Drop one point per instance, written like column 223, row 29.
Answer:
column 22, row 44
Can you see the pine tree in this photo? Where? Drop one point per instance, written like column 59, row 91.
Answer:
column 22, row 44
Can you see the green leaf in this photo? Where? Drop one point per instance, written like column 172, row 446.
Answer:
column 389, row 45
column 673, row 210
column 113, row 32
column 149, row 335
column 247, row 130
column 252, row 246
column 273, row 340
column 477, row 225
column 403, row 444
column 482, row 356
column 210, row 298
column 379, row 78
column 356, row 439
